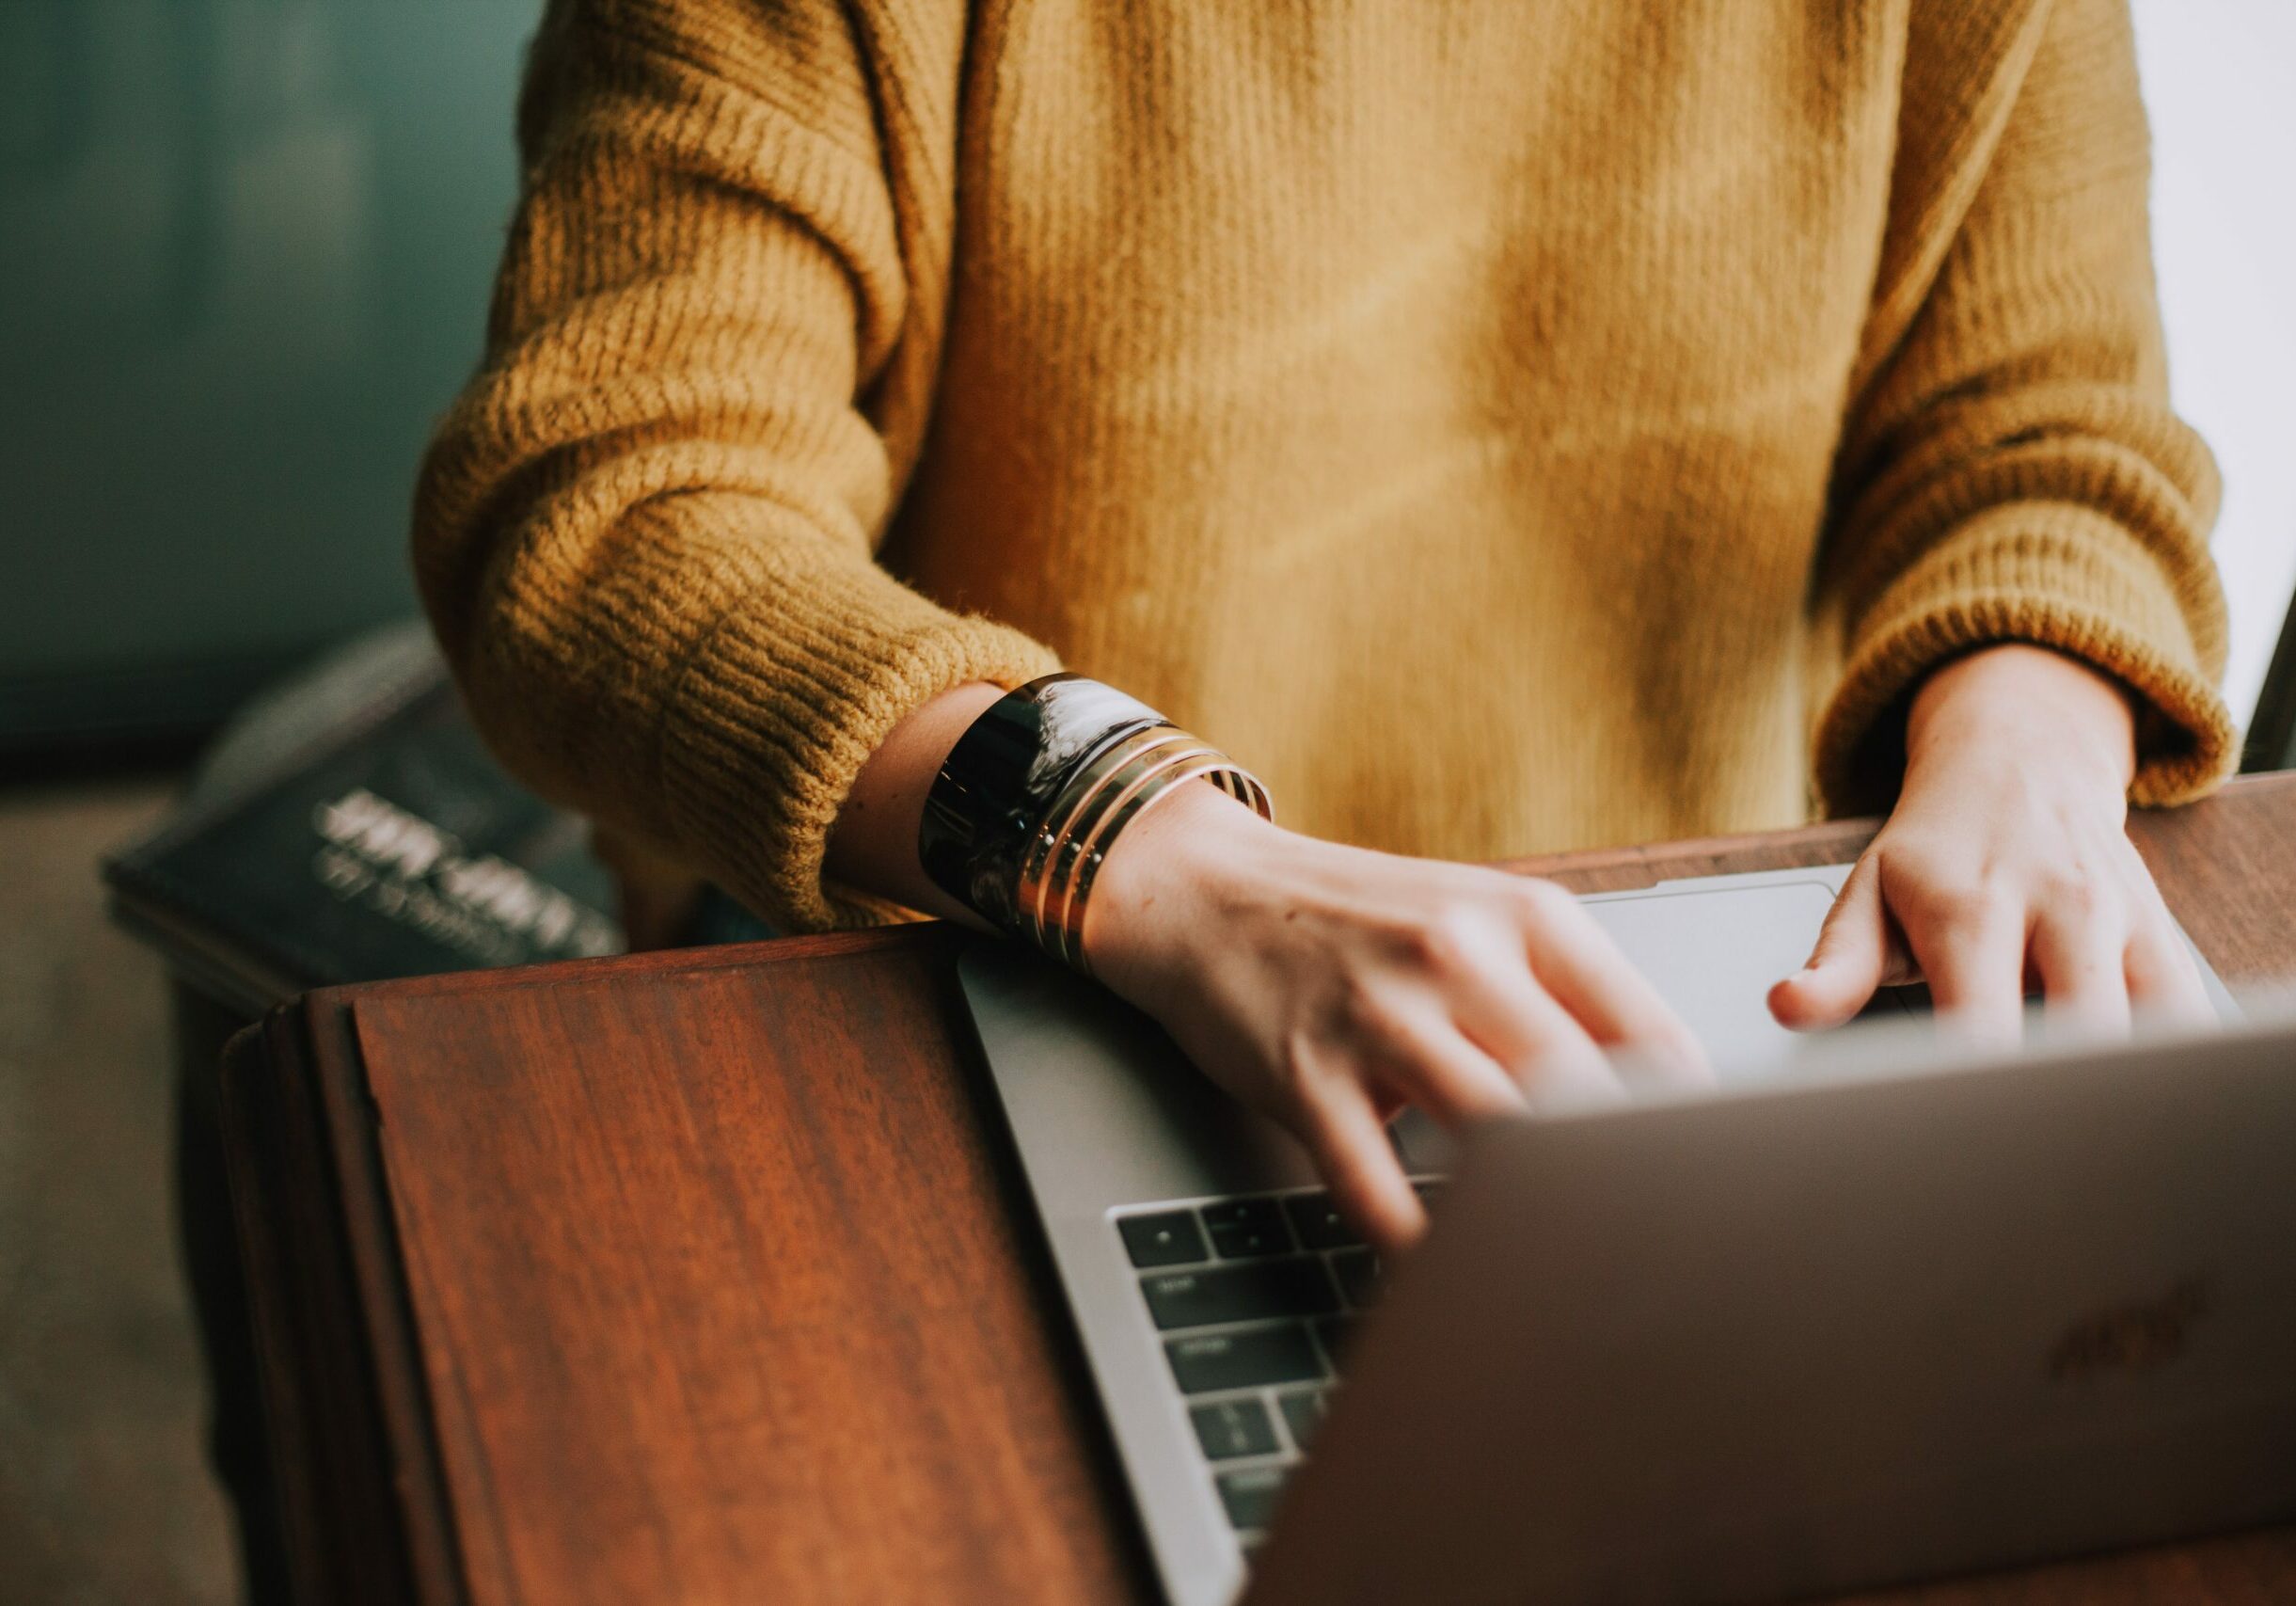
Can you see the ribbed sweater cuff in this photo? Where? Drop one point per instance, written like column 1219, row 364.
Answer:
column 2055, row 574
column 774, row 716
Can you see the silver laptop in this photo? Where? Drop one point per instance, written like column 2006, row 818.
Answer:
column 1859, row 1315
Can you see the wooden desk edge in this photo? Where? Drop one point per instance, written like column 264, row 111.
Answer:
column 334, row 1327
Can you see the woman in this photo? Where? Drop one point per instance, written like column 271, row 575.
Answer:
column 1500, row 428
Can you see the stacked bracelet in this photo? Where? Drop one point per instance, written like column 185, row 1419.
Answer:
column 1035, row 792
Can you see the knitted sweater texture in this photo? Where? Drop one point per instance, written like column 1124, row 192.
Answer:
column 1502, row 427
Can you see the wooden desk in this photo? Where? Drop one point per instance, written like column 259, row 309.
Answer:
column 704, row 1277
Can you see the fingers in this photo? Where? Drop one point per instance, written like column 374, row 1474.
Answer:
column 1608, row 1001
column 1970, row 947
column 2162, row 978
column 1514, row 1026
column 2088, row 928
column 1851, row 959
column 1349, row 1145
column 1489, row 1012
column 1452, row 1079
column 2082, row 967
column 1456, row 1076
column 1549, row 1059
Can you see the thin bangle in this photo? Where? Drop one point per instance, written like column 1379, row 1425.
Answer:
column 1044, row 864
column 1216, row 766
column 1086, row 826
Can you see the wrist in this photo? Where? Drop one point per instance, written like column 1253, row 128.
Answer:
column 873, row 842
column 2030, row 702
column 1156, row 882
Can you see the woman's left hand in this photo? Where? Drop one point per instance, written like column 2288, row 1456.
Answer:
column 2006, row 865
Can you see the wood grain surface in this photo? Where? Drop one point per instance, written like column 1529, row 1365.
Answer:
column 705, row 1277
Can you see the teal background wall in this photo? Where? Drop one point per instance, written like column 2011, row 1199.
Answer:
column 244, row 253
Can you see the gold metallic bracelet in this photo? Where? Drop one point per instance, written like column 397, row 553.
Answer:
column 1216, row 766
column 1041, row 865
column 1045, row 899
column 1093, row 809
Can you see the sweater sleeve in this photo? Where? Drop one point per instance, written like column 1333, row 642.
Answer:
column 645, row 534
column 2010, row 469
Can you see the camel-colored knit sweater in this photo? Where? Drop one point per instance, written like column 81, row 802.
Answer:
column 1502, row 427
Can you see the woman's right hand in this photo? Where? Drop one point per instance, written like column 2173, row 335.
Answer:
column 1330, row 986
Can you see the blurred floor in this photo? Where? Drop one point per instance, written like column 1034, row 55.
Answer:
column 104, row 1495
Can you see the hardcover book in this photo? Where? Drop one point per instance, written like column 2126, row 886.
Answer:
column 357, row 829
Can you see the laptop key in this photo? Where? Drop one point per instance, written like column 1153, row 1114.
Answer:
column 1249, row 1357
column 1245, row 1228
column 1170, row 1237
column 1250, row 1495
column 1359, row 1273
column 1227, row 1428
column 1302, row 1411
column 1255, row 1291
column 1319, row 1223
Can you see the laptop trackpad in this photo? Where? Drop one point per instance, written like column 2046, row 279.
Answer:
column 1714, row 953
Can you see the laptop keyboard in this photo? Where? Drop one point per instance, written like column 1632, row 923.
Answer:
column 1253, row 1300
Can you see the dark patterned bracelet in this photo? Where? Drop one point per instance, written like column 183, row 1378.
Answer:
column 1033, row 795
column 1000, row 781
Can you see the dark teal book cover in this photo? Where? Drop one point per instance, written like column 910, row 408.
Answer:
column 403, row 849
